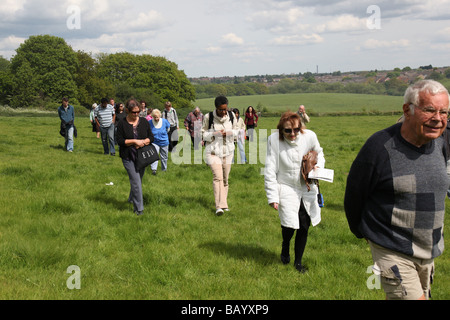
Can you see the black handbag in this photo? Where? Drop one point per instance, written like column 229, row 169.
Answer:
column 146, row 156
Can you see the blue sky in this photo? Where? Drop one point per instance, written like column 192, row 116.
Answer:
column 245, row 37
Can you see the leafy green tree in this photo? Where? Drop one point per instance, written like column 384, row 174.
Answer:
column 25, row 92
column 5, row 81
column 50, row 64
column 158, row 75
column 447, row 73
column 91, row 88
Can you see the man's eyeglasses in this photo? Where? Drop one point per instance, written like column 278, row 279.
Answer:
column 296, row 130
column 430, row 111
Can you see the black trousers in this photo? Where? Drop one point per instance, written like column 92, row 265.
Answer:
column 300, row 238
column 172, row 142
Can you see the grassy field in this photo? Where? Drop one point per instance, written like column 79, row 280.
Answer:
column 56, row 210
column 315, row 103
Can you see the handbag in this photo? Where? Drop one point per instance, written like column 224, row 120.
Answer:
column 308, row 162
column 146, row 156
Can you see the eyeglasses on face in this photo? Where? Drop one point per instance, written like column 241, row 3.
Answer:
column 296, row 130
column 430, row 111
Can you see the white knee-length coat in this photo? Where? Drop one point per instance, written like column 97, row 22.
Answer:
column 283, row 181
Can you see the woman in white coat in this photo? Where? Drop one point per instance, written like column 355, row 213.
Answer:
column 285, row 188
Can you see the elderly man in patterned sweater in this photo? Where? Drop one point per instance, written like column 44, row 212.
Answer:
column 395, row 194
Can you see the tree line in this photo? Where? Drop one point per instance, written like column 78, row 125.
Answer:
column 45, row 69
column 392, row 85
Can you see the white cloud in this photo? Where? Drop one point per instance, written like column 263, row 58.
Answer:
column 9, row 44
column 380, row 44
column 213, row 49
column 343, row 23
column 9, row 8
column 277, row 20
column 232, row 39
column 150, row 20
column 303, row 39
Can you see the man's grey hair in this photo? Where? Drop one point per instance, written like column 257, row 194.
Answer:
column 412, row 93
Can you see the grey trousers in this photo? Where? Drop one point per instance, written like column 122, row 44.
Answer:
column 135, row 176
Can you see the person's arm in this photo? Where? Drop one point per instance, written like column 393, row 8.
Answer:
column 360, row 181
column 187, row 122
column 305, row 117
column 208, row 135
column 73, row 114
column 271, row 170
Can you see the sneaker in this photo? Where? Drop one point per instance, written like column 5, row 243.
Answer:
column 154, row 172
column 139, row 213
column 219, row 212
column 226, row 209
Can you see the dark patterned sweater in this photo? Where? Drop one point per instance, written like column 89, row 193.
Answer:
column 395, row 194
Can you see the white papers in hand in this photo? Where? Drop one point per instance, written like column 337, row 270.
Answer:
column 322, row 174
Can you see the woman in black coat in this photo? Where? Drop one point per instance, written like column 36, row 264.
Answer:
column 133, row 132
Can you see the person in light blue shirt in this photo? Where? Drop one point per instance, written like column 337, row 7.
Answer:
column 66, row 113
column 160, row 128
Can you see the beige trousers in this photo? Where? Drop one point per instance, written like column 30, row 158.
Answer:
column 220, row 168
column 402, row 277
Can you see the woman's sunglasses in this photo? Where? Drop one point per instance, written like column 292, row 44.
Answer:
column 296, row 130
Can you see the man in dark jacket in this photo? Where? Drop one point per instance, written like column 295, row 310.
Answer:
column 66, row 113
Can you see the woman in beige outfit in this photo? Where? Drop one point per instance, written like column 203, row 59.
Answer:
column 219, row 131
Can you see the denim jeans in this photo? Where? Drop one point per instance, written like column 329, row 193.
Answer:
column 108, row 135
column 241, row 148
column 163, row 155
column 69, row 138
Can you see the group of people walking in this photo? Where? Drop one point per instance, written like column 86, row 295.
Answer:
column 395, row 193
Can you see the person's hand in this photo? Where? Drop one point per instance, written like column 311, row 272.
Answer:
column 140, row 143
column 274, row 205
column 221, row 133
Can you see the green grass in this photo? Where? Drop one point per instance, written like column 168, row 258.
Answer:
column 315, row 103
column 56, row 211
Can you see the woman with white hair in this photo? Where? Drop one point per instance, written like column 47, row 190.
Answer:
column 160, row 128
column 93, row 122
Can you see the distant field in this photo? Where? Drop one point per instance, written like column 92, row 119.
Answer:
column 314, row 102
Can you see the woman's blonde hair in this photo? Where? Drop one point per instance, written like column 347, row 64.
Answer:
column 156, row 112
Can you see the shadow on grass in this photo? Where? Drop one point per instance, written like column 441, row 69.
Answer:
column 57, row 147
column 243, row 252
column 118, row 204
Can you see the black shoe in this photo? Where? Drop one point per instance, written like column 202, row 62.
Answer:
column 154, row 172
column 301, row 268
column 285, row 259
